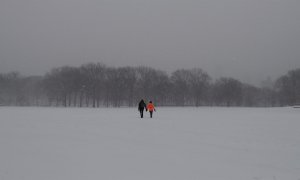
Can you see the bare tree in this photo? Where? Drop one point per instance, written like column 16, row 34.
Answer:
column 61, row 84
column 228, row 91
column 181, row 88
column 251, row 95
column 95, row 84
column 93, row 81
column 199, row 82
column 288, row 88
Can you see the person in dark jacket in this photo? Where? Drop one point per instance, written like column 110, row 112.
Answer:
column 142, row 106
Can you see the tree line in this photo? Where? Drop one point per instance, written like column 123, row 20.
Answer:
column 97, row 85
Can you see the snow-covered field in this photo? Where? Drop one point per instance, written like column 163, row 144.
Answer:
column 177, row 144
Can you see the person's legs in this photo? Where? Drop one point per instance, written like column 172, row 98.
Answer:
column 151, row 112
column 141, row 112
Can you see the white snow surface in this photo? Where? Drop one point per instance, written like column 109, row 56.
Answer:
column 205, row 143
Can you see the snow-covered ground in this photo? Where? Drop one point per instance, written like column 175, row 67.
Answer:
column 177, row 144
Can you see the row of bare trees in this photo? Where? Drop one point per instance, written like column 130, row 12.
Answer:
column 96, row 85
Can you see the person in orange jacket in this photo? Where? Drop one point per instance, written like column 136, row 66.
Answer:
column 151, row 108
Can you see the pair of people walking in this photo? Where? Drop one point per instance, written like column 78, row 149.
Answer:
column 149, row 107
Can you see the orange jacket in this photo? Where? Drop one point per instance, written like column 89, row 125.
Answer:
column 150, row 107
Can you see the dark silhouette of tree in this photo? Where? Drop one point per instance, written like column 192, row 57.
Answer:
column 61, row 84
column 288, row 88
column 199, row 84
column 95, row 84
column 228, row 91
column 94, row 80
column 251, row 95
column 180, row 86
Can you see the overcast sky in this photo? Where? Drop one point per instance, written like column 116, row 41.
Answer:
column 245, row 39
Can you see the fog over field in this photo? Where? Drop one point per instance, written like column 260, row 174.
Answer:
column 247, row 40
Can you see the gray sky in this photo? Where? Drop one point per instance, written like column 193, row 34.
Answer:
column 245, row 39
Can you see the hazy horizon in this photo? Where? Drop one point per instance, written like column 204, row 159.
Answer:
column 246, row 40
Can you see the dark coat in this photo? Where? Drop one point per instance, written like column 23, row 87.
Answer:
column 142, row 105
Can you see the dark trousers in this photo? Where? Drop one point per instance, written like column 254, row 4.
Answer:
column 142, row 113
column 151, row 112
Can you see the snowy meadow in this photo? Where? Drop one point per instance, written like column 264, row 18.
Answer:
column 204, row 143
